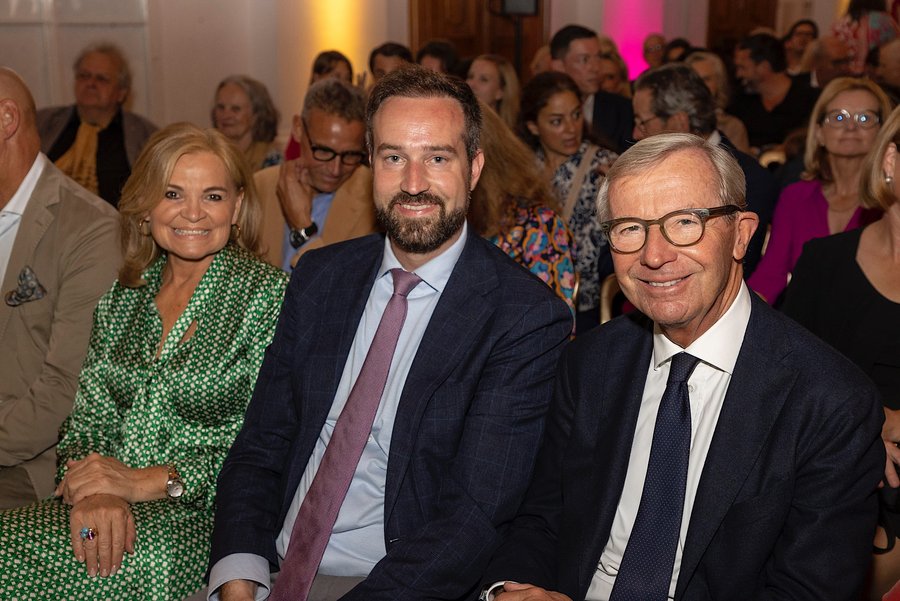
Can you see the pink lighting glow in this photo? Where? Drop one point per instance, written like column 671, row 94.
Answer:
column 628, row 23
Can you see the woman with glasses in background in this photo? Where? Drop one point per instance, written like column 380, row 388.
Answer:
column 842, row 130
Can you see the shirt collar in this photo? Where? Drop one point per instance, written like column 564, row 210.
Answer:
column 19, row 200
column 720, row 345
column 715, row 138
column 435, row 272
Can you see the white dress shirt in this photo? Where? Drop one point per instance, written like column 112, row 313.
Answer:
column 717, row 349
column 11, row 215
column 357, row 539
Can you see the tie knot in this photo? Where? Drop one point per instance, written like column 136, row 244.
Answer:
column 404, row 281
column 681, row 367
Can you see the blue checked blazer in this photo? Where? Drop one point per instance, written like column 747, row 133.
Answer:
column 467, row 429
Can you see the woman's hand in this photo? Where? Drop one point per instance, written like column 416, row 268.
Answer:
column 99, row 475
column 109, row 518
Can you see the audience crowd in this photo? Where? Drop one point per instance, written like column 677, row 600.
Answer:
column 367, row 361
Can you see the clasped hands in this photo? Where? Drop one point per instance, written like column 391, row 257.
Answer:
column 100, row 490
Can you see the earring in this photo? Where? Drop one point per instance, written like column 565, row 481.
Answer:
column 145, row 231
column 888, row 179
column 235, row 231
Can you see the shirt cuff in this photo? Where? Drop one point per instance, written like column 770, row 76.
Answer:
column 240, row 566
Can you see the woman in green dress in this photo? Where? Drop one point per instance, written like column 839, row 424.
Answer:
column 174, row 354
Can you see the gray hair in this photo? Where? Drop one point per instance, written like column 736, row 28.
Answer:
column 651, row 152
column 113, row 52
column 677, row 88
column 265, row 126
column 335, row 97
column 723, row 88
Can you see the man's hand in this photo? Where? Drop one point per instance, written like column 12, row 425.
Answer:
column 513, row 591
column 295, row 194
column 890, row 433
column 110, row 518
column 100, row 475
column 238, row 590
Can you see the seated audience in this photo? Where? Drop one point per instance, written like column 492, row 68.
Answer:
column 387, row 58
column 329, row 64
column 439, row 56
column 513, row 208
column 398, row 411
column 59, row 252
column 95, row 141
column 842, row 130
column 864, row 26
column 829, row 58
column 325, row 196
column 576, row 51
column 244, row 113
column 712, row 71
column 673, row 99
column 495, row 83
column 710, row 449
column 798, row 37
column 614, row 75
column 773, row 103
column 552, row 124
column 846, row 289
column 174, row 354
column 654, row 45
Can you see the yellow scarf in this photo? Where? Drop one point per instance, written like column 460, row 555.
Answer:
column 80, row 161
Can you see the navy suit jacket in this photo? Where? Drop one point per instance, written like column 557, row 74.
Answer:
column 612, row 121
column 467, row 429
column 785, row 507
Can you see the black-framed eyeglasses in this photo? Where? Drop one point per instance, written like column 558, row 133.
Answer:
column 323, row 154
column 684, row 227
column 642, row 123
column 841, row 118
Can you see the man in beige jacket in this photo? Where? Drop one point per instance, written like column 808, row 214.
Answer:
column 59, row 252
column 325, row 196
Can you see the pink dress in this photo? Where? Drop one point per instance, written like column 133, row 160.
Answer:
column 800, row 215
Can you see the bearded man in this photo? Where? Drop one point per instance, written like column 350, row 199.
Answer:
column 394, row 426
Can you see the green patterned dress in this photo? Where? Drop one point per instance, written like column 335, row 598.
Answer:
column 185, row 406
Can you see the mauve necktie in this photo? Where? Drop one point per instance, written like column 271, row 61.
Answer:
column 646, row 570
column 323, row 500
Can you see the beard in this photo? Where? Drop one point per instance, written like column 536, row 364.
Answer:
column 420, row 235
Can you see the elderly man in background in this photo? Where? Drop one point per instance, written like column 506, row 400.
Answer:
column 716, row 450
column 96, row 141
column 325, row 195
column 674, row 99
column 59, row 252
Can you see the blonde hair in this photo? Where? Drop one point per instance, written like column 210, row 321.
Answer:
column 875, row 192
column 508, row 106
column 815, row 156
column 146, row 188
column 509, row 179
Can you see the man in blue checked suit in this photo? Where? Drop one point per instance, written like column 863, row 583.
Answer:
column 451, row 447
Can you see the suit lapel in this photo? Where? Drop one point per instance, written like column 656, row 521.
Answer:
column 32, row 227
column 619, row 402
column 460, row 314
column 750, row 409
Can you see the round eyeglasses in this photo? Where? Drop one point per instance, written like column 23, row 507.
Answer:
column 681, row 228
column 841, row 118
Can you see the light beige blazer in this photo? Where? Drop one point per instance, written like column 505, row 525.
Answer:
column 351, row 215
column 70, row 240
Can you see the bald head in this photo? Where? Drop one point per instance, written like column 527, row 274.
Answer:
column 19, row 140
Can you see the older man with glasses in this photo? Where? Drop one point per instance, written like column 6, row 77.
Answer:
column 709, row 449
column 325, row 196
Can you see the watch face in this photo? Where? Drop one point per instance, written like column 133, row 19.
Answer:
column 174, row 488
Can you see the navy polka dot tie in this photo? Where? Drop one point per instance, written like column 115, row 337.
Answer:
column 646, row 570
